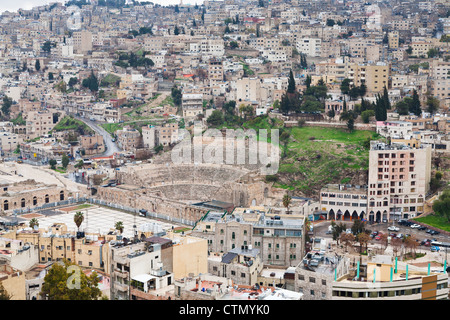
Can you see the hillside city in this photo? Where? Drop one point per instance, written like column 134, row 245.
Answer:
column 134, row 142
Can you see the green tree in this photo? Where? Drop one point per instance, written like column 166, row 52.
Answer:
column 433, row 52
column 47, row 46
column 78, row 218
column 58, row 280
column 119, row 226
column 80, row 164
column 415, row 104
column 91, row 82
column 365, row 115
column 432, row 105
column 358, row 227
column 402, row 107
column 6, row 106
column 350, row 124
column 287, row 201
column 52, row 163
column 337, row 229
column 234, row 45
column 308, row 81
column 215, row 119
column 345, row 86
column 4, row 295
column 291, row 83
column 33, row 222
column 65, row 161
column 50, row 76
column 72, row 81
column 380, row 109
column 176, row 95
column 37, row 65
column 441, row 206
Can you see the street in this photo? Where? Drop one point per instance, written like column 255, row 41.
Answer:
column 111, row 147
column 321, row 228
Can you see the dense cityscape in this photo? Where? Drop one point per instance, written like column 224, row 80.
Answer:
column 225, row 150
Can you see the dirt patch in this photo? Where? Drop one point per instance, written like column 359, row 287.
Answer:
column 31, row 215
column 425, row 264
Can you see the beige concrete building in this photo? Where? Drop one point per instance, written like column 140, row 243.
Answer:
column 344, row 202
column 192, row 105
column 129, row 138
column 242, row 266
column 82, row 41
column 92, row 144
column 399, row 178
column 137, row 272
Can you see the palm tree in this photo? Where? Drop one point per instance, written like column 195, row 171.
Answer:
column 119, row 226
column 34, row 222
column 287, row 201
column 78, row 218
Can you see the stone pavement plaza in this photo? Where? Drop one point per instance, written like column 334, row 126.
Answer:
column 101, row 220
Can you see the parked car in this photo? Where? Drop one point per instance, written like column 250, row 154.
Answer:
column 435, row 249
column 400, row 236
column 143, row 213
column 429, row 231
column 393, row 228
column 422, row 228
column 378, row 237
column 415, row 226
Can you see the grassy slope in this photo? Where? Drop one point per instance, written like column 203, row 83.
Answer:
column 317, row 156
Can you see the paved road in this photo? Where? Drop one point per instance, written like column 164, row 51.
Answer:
column 321, row 228
column 111, row 147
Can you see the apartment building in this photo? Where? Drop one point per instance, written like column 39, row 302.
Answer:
column 129, row 138
column 242, row 265
column 248, row 90
column 309, row 46
column 137, row 272
column 39, row 123
column 393, row 40
column 192, row 105
column 92, row 144
column 395, row 129
column 82, row 41
column 399, row 178
column 279, row 241
column 8, row 141
column 215, row 71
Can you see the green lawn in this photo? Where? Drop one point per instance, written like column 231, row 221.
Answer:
column 435, row 221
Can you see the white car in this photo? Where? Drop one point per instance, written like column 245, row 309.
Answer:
column 393, row 228
column 415, row 226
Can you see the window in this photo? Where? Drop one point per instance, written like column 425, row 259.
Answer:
column 324, row 282
column 233, row 272
column 242, row 275
column 312, row 280
column 301, row 277
column 312, row 292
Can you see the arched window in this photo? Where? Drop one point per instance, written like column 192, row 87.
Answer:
column 5, row 205
column 22, row 202
column 47, row 199
column 61, row 195
column 34, row 200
